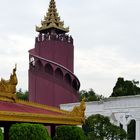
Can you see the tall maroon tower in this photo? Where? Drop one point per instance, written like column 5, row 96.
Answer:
column 51, row 77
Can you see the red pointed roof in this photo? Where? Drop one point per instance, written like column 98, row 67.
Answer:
column 23, row 111
column 15, row 110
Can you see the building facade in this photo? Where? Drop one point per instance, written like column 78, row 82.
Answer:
column 51, row 63
column 120, row 110
column 14, row 110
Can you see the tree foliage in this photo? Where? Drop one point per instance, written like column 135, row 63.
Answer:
column 90, row 95
column 131, row 129
column 125, row 88
column 69, row 133
column 98, row 127
column 22, row 95
column 27, row 131
column 1, row 134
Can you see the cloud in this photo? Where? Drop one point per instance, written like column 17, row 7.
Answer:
column 14, row 50
column 100, row 68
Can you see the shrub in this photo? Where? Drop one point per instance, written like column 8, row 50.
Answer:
column 27, row 131
column 69, row 133
column 1, row 134
column 98, row 127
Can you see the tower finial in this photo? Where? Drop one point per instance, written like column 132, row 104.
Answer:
column 52, row 21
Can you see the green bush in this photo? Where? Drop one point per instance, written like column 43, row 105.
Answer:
column 99, row 127
column 69, row 133
column 1, row 134
column 27, row 131
column 131, row 130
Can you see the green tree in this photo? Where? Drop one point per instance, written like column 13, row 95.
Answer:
column 27, row 131
column 22, row 95
column 125, row 88
column 98, row 127
column 131, row 129
column 1, row 134
column 90, row 95
column 69, row 133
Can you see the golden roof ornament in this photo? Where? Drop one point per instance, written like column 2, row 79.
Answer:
column 52, row 21
column 8, row 87
column 80, row 110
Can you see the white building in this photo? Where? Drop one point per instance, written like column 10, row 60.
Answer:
column 120, row 110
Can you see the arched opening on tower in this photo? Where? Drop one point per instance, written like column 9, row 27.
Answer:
column 39, row 65
column 78, row 86
column 74, row 84
column 68, row 79
column 32, row 62
column 58, row 73
column 49, row 69
column 131, row 130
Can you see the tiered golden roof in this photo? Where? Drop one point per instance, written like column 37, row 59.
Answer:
column 52, row 21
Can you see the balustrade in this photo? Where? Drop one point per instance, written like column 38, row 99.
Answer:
column 58, row 37
column 52, row 68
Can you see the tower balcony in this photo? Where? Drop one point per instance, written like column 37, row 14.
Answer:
column 54, row 72
column 57, row 37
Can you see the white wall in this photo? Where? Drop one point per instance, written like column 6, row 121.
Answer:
column 118, row 109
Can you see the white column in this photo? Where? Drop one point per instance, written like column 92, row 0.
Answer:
column 123, row 118
column 137, row 129
column 125, row 127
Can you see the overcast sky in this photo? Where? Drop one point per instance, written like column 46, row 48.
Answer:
column 106, row 37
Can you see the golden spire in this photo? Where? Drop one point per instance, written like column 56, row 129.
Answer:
column 52, row 21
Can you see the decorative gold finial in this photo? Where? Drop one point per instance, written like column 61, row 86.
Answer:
column 52, row 21
column 8, row 87
column 80, row 110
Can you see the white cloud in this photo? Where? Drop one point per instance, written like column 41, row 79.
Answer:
column 14, row 50
column 100, row 68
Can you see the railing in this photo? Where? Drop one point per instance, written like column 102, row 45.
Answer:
column 75, row 83
column 60, row 37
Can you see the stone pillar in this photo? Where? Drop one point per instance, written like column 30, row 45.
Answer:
column 125, row 127
column 124, row 119
column 138, row 129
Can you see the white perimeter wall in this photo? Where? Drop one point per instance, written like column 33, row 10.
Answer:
column 118, row 109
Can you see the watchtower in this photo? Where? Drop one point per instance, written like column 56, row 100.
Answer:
column 51, row 63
